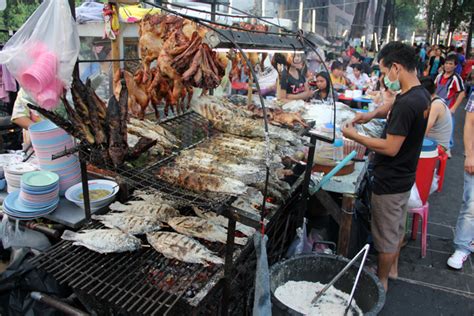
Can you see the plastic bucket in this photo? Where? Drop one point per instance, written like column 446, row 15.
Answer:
column 426, row 167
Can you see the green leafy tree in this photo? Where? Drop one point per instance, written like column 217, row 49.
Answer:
column 16, row 13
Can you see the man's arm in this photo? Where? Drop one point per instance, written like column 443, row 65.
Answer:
column 389, row 146
column 380, row 112
column 469, row 143
column 23, row 122
column 435, row 112
column 459, row 99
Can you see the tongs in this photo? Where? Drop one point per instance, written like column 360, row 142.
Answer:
column 364, row 251
column 28, row 156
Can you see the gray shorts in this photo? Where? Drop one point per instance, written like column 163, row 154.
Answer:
column 388, row 220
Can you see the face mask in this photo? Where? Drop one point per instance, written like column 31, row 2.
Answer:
column 391, row 85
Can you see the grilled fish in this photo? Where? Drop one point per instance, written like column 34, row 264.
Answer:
column 200, row 182
column 163, row 212
column 202, row 228
column 183, row 248
column 130, row 223
column 223, row 221
column 103, row 240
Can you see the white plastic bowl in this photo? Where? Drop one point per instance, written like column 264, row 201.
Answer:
column 73, row 192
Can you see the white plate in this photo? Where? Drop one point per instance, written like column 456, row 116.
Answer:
column 20, row 168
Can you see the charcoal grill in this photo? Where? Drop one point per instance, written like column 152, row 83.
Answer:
column 145, row 282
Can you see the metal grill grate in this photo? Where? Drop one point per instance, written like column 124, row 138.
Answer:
column 141, row 282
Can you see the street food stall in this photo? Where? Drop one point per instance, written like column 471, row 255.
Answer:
column 172, row 203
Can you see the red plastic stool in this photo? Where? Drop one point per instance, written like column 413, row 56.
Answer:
column 423, row 213
column 443, row 158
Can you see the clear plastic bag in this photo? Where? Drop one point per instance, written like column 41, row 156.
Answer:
column 13, row 236
column 42, row 54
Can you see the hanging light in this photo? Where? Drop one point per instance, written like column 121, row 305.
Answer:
column 395, row 38
column 300, row 16
column 313, row 21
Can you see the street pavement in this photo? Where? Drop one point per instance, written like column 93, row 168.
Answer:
column 427, row 286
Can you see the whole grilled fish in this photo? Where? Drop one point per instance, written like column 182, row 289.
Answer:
column 200, row 182
column 130, row 223
column 163, row 212
column 183, row 248
column 223, row 221
column 103, row 240
column 202, row 228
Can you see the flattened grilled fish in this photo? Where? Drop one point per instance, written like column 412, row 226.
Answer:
column 183, row 248
column 103, row 240
column 223, row 221
column 130, row 223
column 200, row 182
column 163, row 212
column 201, row 228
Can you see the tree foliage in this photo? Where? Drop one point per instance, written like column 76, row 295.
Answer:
column 16, row 13
column 407, row 18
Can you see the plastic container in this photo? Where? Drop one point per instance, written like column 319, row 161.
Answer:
column 338, row 153
column 426, row 166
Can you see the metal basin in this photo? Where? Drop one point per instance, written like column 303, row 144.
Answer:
column 369, row 294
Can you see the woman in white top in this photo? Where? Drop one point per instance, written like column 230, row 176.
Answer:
column 359, row 80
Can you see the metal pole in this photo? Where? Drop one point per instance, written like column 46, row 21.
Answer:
column 85, row 186
column 229, row 253
column 306, row 181
column 60, row 306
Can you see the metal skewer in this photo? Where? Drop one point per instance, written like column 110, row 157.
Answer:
column 364, row 251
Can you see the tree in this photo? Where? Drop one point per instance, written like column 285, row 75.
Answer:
column 16, row 13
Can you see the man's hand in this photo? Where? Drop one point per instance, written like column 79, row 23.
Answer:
column 362, row 118
column 349, row 131
column 452, row 110
column 469, row 164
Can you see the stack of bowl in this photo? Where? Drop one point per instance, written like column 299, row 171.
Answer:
column 39, row 196
column 49, row 139
column 14, row 172
column 7, row 159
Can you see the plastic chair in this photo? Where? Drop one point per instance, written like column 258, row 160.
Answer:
column 443, row 158
column 423, row 213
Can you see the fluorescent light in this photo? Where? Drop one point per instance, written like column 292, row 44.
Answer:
column 413, row 38
column 313, row 21
column 258, row 50
column 300, row 16
column 437, row 39
column 345, row 33
column 230, row 5
column 395, row 38
column 263, row 8
column 376, row 42
column 388, row 32
column 450, row 38
column 362, row 40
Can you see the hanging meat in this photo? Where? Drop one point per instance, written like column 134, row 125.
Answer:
column 182, row 62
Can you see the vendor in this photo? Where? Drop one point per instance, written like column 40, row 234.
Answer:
column 322, row 83
column 293, row 85
column 23, row 116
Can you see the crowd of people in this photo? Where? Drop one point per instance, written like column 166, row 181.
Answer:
column 417, row 89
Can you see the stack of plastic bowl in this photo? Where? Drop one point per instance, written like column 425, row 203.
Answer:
column 40, row 77
column 101, row 193
column 14, row 172
column 39, row 196
column 7, row 159
column 48, row 139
